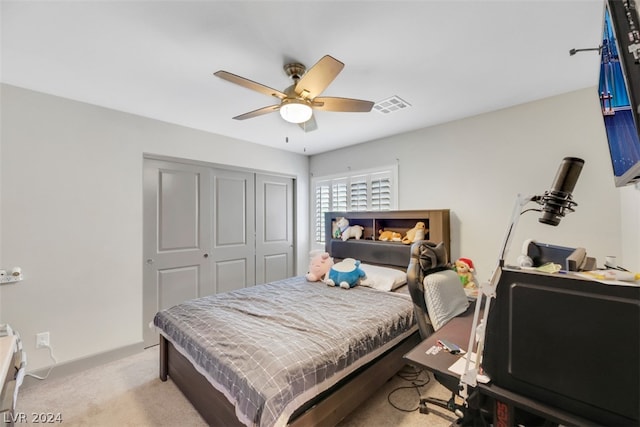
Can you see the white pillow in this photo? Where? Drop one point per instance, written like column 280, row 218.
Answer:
column 382, row 278
column 444, row 296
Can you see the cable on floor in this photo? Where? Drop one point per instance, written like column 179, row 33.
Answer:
column 417, row 379
column 55, row 362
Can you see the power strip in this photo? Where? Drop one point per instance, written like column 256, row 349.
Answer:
column 10, row 279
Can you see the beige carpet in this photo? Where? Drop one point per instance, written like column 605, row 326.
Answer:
column 128, row 392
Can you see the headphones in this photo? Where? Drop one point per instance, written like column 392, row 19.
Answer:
column 524, row 261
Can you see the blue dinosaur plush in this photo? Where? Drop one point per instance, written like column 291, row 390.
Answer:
column 346, row 274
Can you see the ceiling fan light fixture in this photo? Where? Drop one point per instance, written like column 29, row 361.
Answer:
column 295, row 111
column 296, row 102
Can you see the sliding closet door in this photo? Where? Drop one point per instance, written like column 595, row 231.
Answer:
column 176, row 238
column 274, row 228
column 209, row 230
column 233, row 219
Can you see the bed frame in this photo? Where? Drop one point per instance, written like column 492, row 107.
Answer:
column 333, row 405
column 327, row 409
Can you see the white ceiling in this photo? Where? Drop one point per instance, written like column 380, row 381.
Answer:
column 448, row 59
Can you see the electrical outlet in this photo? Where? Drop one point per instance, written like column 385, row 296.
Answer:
column 42, row 340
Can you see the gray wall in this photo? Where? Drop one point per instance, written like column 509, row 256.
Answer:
column 71, row 183
column 477, row 166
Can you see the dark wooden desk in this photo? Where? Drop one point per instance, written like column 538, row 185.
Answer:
column 429, row 355
column 432, row 357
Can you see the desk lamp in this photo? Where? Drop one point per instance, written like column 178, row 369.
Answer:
column 554, row 203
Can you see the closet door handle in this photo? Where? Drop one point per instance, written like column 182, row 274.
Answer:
column 206, row 255
column 149, row 261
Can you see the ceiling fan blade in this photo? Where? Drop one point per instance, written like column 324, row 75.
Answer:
column 249, row 84
column 309, row 125
column 318, row 77
column 258, row 112
column 342, row 104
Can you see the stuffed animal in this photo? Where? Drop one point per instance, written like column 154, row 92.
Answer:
column 466, row 273
column 389, row 236
column 346, row 274
column 347, row 231
column 335, row 230
column 419, row 232
column 319, row 266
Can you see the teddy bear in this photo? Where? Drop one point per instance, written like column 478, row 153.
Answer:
column 347, row 231
column 319, row 266
column 346, row 274
column 419, row 232
column 389, row 236
column 466, row 273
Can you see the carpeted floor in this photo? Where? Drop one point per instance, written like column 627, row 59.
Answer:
column 128, row 392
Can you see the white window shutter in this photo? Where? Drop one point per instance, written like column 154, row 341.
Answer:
column 360, row 191
column 323, row 204
column 381, row 197
column 339, row 196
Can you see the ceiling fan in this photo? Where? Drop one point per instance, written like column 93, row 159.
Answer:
column 298, row 101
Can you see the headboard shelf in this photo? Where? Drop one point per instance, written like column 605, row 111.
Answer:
column 380, row 252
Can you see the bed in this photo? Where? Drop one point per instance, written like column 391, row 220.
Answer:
column 290, row 352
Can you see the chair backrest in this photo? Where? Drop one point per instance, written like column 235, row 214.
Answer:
column 426, row 258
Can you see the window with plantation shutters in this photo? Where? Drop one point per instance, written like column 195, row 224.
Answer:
column 381, row 192
column 359, row 194
column 372, row 190
column 322, row 205
column 339, row 195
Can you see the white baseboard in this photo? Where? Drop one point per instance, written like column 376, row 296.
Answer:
column 84, row 363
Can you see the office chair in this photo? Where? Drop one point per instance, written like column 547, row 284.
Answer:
column 428, row 258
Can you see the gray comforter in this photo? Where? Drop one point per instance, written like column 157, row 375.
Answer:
column 267, row 346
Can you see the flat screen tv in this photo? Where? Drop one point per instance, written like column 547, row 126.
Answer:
column 619, row 88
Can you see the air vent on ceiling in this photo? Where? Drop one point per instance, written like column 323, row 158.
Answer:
column 391, row 105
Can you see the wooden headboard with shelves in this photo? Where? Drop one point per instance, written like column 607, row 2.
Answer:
column 371, row 250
